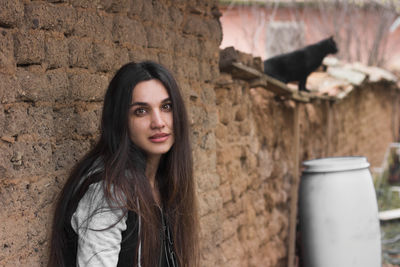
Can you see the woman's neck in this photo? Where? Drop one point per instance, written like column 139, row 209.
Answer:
column 151, row 170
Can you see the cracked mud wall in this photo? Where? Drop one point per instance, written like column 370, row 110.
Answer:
column 255, row 159
column 56, row 59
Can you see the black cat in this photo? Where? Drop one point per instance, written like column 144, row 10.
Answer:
column 297, row 65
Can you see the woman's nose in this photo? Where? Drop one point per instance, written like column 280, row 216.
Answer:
column 157, row 120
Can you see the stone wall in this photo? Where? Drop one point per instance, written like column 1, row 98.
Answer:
column 256, row 156
column 56, row 59
column 364, row 123
column 254, row 137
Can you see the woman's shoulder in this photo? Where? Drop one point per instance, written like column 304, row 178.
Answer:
column 100, row 196
column 95, row 194
column 89, row 174
column 95, row 206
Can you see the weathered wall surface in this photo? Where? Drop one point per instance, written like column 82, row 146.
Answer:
column 364, row 123
column 254, row 137
column 255, row 156
column 56, row 58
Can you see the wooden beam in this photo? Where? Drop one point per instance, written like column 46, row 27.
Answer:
column 294, row 194
column 329, row 128
column 300, row 97
column 241, row 71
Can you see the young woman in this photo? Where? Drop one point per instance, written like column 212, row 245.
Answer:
column 131, row 200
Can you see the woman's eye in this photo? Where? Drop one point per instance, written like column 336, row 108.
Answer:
column 167, row 107
column 139, row 112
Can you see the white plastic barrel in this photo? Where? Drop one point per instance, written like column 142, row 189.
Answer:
column 338, row 214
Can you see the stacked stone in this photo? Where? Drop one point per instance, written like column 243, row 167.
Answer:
column 255, row 156
column 56, row 59
column 364, row 123
column 253, row 161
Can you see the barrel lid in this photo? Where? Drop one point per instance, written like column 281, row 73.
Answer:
column 334, row 164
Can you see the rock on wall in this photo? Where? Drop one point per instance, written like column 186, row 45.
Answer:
column 56, row 58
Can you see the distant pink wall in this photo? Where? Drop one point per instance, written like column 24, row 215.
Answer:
column 245, row 29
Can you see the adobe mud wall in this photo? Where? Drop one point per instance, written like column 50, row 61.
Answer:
column 255, row 163
column 56, row 58
column 255, row 157
column 364, row 123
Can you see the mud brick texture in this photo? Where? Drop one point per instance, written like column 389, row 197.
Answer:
column 255, row 160
column 56, row 59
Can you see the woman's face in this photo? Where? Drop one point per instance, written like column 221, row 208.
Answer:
column 150, row 118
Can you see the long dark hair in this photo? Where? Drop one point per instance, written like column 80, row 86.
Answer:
column 123, row 173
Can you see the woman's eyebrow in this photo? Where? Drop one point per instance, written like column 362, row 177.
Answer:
column 146, row 104
column 166, row 100
column 138, row 104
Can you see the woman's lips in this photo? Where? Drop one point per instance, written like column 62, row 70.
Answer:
column 159, row 138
